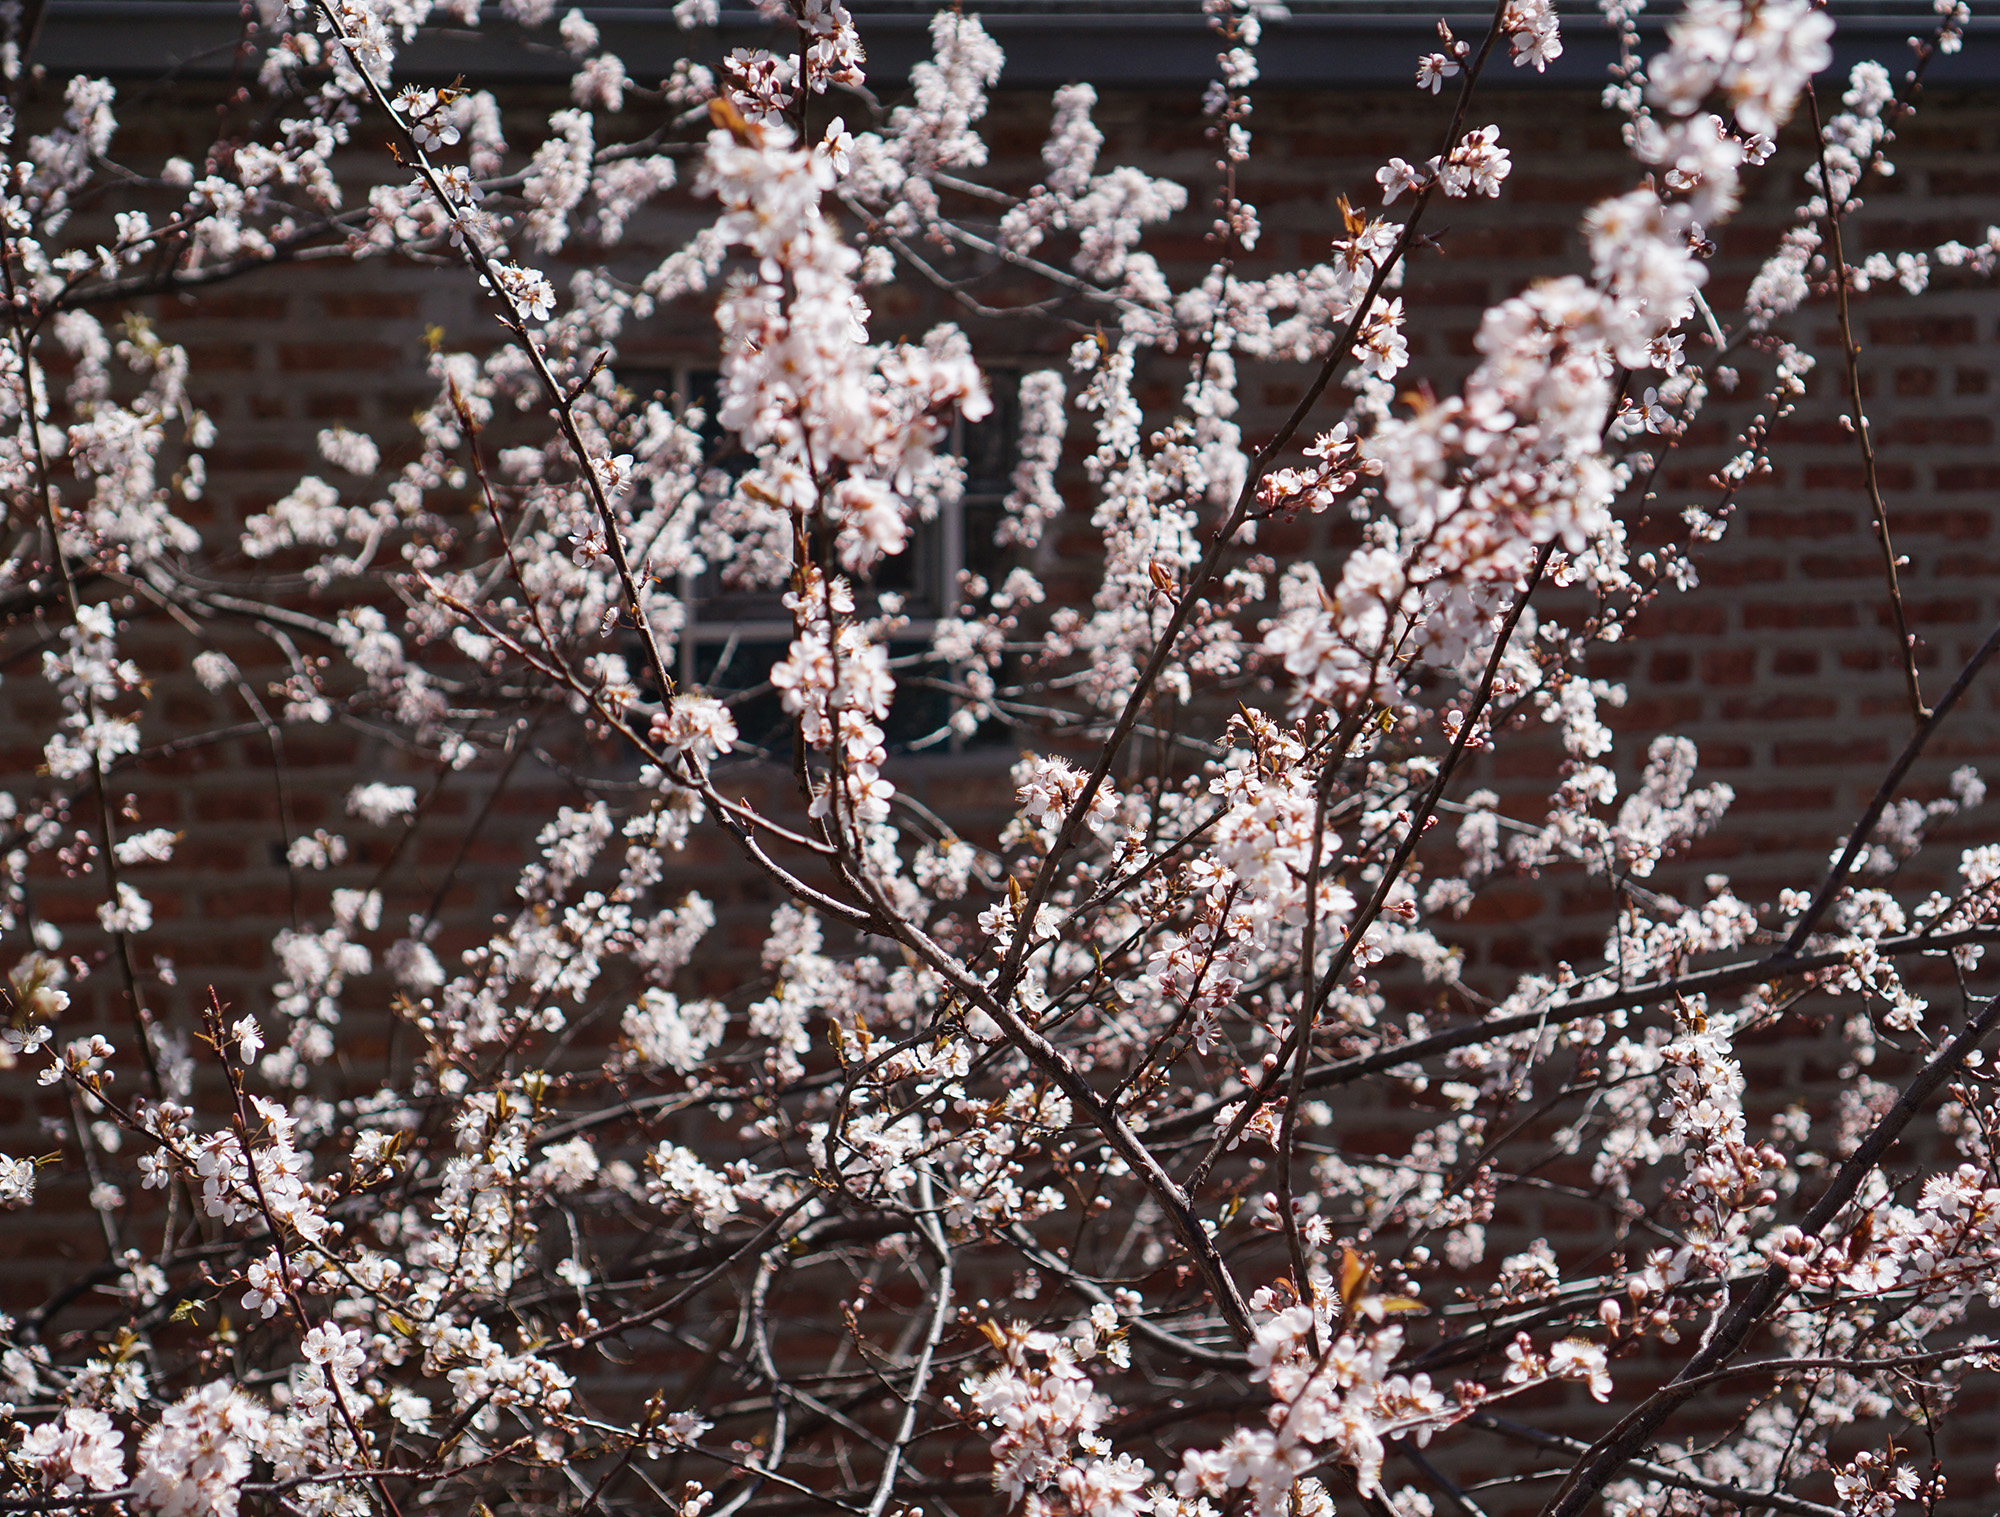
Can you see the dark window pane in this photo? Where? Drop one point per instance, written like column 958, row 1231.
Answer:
column 988, row 445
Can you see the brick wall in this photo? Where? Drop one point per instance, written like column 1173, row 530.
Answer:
column 1780, row 665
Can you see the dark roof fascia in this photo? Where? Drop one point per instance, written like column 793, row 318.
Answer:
column 1124, row 46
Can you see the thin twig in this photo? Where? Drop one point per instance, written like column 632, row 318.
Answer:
column 1652, row 1469
column 1884, row 793
column 1871, row 479
column 932, row 1233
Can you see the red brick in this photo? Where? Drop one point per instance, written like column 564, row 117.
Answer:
column 1729, row 666
column 1932, row 331
column 1506, row 904
column 379, row 304
column 1936, row 431
column 1808, row 614
column 1780, row 708
column 1981, row 477
column 1822, row 751
column 334, row 357
column 1820, row 523
column 1784, row 798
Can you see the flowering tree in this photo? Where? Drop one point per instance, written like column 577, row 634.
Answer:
column 583, row 1241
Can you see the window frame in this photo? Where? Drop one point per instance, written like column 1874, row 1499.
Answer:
column 941, row 544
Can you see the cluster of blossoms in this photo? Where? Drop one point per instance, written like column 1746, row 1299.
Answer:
column 1082, row 1035
column 1477, row 165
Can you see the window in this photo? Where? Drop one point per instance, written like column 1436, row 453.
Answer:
column 734, row 636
